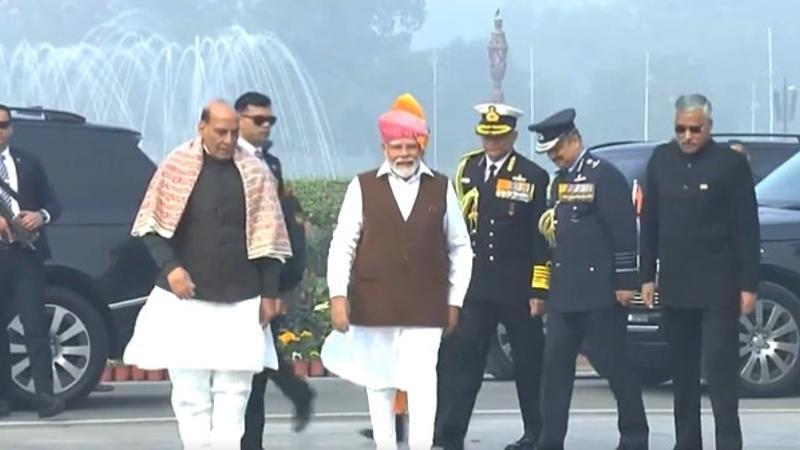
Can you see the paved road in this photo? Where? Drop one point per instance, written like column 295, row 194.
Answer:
column 137, row 416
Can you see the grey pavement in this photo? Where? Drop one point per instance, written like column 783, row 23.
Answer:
column 138, row 416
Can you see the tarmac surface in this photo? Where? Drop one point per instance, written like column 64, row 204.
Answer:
column 138, row 416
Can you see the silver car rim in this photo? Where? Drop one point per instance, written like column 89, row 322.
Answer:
column 70, row 344
column 769, row 343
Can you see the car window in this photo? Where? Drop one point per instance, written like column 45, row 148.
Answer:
column 780, row 188
column 764, row 158
column 631, row 160
column 99, row 174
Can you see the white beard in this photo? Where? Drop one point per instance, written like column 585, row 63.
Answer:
column 405, row 171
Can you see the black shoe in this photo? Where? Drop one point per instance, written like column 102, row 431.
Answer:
column 524, row 443
column 49, row 405
column 302, row 412
column 400, row 427
column 367, row 432
column 5, row 408
column 103, row 387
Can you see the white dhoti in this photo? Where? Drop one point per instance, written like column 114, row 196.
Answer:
column 384, row 359
column 212, row 351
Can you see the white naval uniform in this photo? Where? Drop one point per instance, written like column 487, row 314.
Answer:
column 384, row 359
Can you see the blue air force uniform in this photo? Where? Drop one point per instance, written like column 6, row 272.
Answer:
column 595, row 251
column 502, row 201
column 594, row 255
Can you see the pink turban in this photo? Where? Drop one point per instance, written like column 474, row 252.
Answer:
column 398, row 124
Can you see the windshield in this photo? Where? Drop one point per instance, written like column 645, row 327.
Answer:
column 781, row 189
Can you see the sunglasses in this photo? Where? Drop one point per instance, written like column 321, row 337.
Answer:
column 680, row 129
column 261, row 120
column 5, row 124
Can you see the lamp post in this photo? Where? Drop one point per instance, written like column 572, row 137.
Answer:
column 498, row 55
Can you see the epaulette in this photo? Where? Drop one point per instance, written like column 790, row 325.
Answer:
column 471, row 153
column 462, row 164
column 592, row 162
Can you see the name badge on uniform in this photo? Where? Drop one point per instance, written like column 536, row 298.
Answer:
column 583, row 192
column 519, row 190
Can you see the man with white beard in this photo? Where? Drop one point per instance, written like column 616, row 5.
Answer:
column 398, row 269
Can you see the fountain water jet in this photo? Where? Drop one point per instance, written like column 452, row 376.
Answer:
column 142, row 80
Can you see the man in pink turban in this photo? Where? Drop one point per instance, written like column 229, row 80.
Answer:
column 399, row 266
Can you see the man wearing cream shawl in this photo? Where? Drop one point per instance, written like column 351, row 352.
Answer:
column 398, row 269
column 213, row 224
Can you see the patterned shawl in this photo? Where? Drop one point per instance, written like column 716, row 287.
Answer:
column 173, row 182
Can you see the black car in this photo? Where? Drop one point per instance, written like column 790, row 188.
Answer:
column 99, row 277
column 770, row 343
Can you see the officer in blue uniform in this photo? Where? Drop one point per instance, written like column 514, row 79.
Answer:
column 502, row 195
column 592, row 230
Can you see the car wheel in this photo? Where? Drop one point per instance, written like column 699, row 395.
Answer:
column 78, row 340
column 769, row 343
column 499, row 362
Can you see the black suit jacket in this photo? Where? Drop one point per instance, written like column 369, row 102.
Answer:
column 700, row 222
column 35, row 193
column 293, row 270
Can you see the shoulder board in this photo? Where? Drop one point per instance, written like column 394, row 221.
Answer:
column 592, row 162
column 462, row 164
column 511, row 163
column 472, row 153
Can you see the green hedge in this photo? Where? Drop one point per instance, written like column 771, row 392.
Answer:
column 321, row 201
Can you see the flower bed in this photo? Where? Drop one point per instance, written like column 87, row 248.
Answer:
column 119, row 371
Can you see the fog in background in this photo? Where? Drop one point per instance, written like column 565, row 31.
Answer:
column 332, row 66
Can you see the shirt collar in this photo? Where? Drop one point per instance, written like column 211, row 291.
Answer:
column 500, row 163
column 577, row 161
column 247, row 146
column 386, row 169
column 5, row 153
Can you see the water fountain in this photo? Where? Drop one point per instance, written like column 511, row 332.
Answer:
column 141, row 80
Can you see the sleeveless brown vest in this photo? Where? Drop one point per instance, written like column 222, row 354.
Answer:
column 400, row 271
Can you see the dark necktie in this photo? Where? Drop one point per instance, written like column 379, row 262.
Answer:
column 492, row 172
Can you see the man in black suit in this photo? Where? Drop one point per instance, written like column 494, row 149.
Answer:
column 26, row 193
column 700, row 229
column 255, row 123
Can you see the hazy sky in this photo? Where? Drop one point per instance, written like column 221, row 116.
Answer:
column 472, row 19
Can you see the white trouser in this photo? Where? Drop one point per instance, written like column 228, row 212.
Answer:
column 421, row 414
column 210, row 406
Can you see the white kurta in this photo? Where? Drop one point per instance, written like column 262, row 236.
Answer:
column 195, row 334
column 384, row 357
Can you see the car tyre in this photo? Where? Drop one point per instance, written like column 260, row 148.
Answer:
column 499, row 363
column 769, row 343
column 79, row 339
